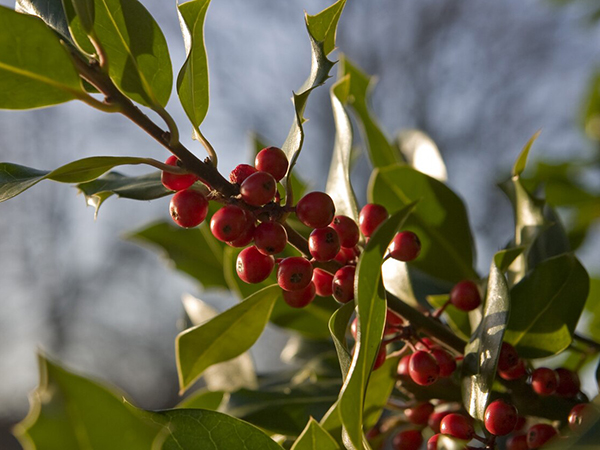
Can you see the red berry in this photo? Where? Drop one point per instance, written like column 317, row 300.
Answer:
column 403, row 366
column 346, row 256
column 435, row 420
column 272, row 160
column 343, row 284
column 300, row 298
column 433, row 442
column 465, row 296
column 270, row 238
column 324, row 244
column 539, row 434
column 315, row 210
column 419, row 414
column 240, row 173
column 294, row 273
column 544, row 381
column 407, row 440
column 380, row 358
column 578, row 415
column 248, row 234
column 445, row 360
column 423, row 368
column 405, row 246
column 508, row 357
column 568, row 383
column 518, row 442
column 354, row 328
column 188, row 208
column 228, row 223
column 174, row 181
column 392, row 319
column 370, row 217
column 514, row 373
column 520, row 423
column 258, row 189
column 500, row 418
column 347, row 230
column 323, row 282
column 254, row 267
column 458, row 426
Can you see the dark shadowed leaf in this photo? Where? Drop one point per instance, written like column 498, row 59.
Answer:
column 338, row 326
column 481, row 353
column 50, row 11
column 224, row 337
column 314, row 437
column 371, row 310
column 546, row 306
column 440, row 220
column 458, row 320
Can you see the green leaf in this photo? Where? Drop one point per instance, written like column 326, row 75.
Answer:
column 546, row 306
column 440, row 220
column 482, row 351
column 504, row 258
column 456, row 319
column 192, row 81
column 203, row 399
column 338, row 325
column 323, row 26
column 85, row 11
column 226, row 336
column 314, row 437
column 194, row 251
column 70, row 412
column 521, row 161
column 591, row 113
column 592, row 306
column 421, row 152
column 35, row 69
column 338, row 181
column 136, row 49
column 50, row 11
column 381, row 152
column 198, row 429
column 371, row 310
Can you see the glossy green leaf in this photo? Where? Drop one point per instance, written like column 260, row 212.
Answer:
column 136, row 49
column 50, row 11
column 592, row 306
column 381, row 152
column 203, row 399
column 371, row 311
column 192, row 81
column 35, row 69
column 86, row 12
column 456, row 319
column 314, row 437
column 440, row 220
column 70, row 412
column 194, row 251
column 198, row 429
column 319, row 72
column 338, row 185
column 504, row 258
column 224, row 337
column 422, row 153
column 338, row 326
column 521, row 161
column 546, row 306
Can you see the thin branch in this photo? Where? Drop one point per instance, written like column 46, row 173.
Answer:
column 209, row 148
column 587, row 341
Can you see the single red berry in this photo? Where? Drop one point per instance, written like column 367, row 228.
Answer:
column 405, row 246
column 445, row 360
column 392, row 319
column 248, row 234
column 403, row 366
column 435, row 420
column 252, row 266
column 578, row 416
column 240, row 173
column 300, row 298
column 407, row 440
column 343, row 284
column 294, row 273
column 324, row 244
column 419, row 414
column 518, row 442
column 539, row 434
column 228, row 223
column 270, row 238
column 500, row 418
column 373, row 432
column 346, row 256
column 544, row 381
column 380, row 358
column 323, row 282
column 188, row 208
column 370, row 217
column 174, row 181
column 424, row 343
column 432, row 443
column 514, row 373
column 272, row 160
column 521, row 420
column 465, row 296
column 347, row 230
column 508, row 357
column 568, row 383
column 315, row 210
column 258, row 189
column 423, row 368
column 458, row 426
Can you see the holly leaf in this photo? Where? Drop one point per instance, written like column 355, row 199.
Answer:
column 456, row 319
column 546, row 306
column 482, row 351
column 50, row 11
column 371, row 304
column 521, row 161
column 314, row 437
column 203, row 399
column 422, row 153
column 338, row 325
column 224, row 337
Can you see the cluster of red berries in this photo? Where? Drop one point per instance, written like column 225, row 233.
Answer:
column 255, row 216
column 427, row 363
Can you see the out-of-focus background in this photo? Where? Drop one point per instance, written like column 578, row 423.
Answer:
column 479, row 77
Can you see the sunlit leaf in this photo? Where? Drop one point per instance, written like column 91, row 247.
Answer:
column 521, row 161
column 323, row 26
column 85, row 11
column 592, row 306
column 422, row 153
column 338, row 326
column 314, row 437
